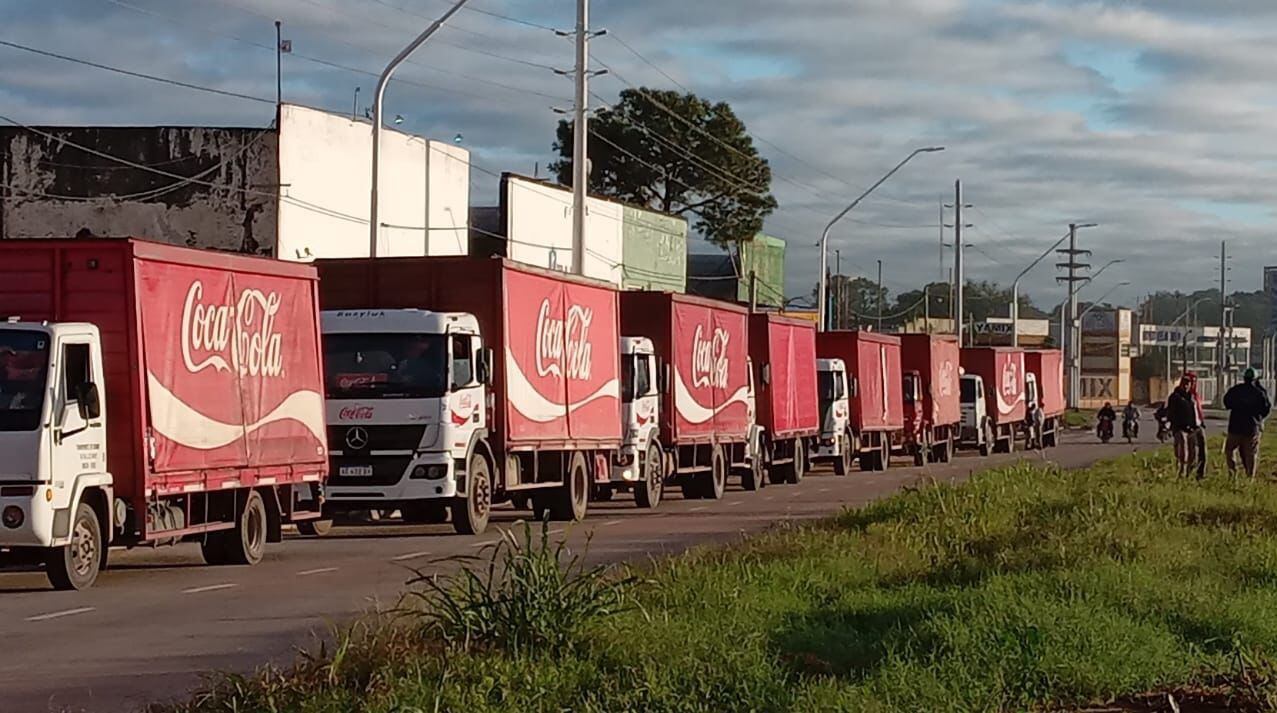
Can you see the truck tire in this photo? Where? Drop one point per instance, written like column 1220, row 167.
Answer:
column 987, row 446
column 883, row 460
column 647, row 494
column 470, row 514
column 315, row 528
column 921, row 451
column 76, row 566
column 570, row 501
column 842, row 464
column 755, row 476
column 244, row 544
column 425, row 512
column 944, row 451
column 796, row 470
column 714, row 483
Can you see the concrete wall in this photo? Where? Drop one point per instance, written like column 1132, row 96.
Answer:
column 206, row 187
column 538, row 229
column 324, row 171
column 654, row 251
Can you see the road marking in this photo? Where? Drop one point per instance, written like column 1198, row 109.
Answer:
column 209, row 588
column 558, row 531
column 736, row 502
column 610, row 523
column 481, row 543
column 60, row 614
column 823, row 490
column 321, row 570
column 409, row 556
column 703, row 507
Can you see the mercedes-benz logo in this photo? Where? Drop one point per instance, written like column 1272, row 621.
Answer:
column 357, row 438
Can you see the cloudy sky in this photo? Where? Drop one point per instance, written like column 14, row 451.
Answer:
column 1154, row 118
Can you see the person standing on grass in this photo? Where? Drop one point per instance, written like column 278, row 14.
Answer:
column 1248, row 405
column 1184, row 409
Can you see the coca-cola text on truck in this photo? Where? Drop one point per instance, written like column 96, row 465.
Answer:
column 458, row 383
column 154, row 394
column 705, row 426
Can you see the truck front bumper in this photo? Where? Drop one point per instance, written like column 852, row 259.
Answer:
column 33, row 517
column 426, row 476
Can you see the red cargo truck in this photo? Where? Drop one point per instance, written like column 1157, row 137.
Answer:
column 706, row 413
column 875, row 422
column 933, row 412
column 520, row 400
column 152, row 394
column 783, row 352
column 1044, row 391
column 992, row 393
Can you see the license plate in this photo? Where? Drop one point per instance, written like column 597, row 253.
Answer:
column 355, row 471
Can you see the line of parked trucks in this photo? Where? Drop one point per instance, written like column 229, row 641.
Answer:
column 152, row 394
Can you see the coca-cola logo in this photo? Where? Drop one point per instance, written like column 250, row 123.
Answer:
column 563, row 347
column 1010, row 381
column 355, row 413
column 238, row 336
column 947, row 373
column 709, row 358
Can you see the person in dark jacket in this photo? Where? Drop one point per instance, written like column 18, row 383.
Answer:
column 1248, row 405
column 1184, row 409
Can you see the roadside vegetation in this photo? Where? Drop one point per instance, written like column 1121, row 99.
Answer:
column 1028, row 588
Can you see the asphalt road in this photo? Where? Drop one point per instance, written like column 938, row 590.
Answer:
column 158, row 619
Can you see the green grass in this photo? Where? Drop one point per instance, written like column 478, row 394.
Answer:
column 1079, row 419
column 1027, row 587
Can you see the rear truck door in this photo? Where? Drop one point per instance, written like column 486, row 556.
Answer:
column 79, row 433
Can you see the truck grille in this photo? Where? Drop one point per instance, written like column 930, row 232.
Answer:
column 356, row 439
column 386, row 470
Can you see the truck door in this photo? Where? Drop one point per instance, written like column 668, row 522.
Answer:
column 466, row 402
column 79, row 433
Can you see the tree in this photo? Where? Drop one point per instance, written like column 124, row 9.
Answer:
column 678, row 154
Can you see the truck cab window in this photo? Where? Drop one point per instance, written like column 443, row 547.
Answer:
column 75, row 369
column 462, row 362
column 642, row 375
column 967, row 388
column 24, row 364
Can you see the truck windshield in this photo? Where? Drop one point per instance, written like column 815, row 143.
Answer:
column 829, row 386
column 968, row 391
column 370, row 366
column 24, row 366
column 636, row 380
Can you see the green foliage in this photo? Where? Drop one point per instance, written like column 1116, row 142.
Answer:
column 678, row 154
column 1026, row 588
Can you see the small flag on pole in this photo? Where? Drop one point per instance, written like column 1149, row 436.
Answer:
column 286, row 46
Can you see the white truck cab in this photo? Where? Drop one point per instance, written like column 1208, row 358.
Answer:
column 407, row 400
column 977, row 429
column 53, row 448
column 640, row 462
column 834, row 391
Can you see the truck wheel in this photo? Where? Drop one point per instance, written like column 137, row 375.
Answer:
column 714, row 483
column 987, row 445
column 920, row 453
column 647, row 494
column 470, row 514
column 76, row 566
column 315, row 528
column 883, row 461
column 570, row 500
column 944, row 451
column 795, row 472
column 425, row 512
column 243, row 544
column 755, row 476
column 842, row 464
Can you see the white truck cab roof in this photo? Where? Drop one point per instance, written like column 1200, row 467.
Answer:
column 637, row 345
column 396, row 321
column 831, row 365
column 52, row 329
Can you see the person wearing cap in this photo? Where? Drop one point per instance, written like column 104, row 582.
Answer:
column 1248, row 405
column 1184, row 410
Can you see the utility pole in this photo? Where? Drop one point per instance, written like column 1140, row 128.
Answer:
column 1069, row 332
column 838, row 290
column 878, row 296
column 1221, row 342
column 580, row 136
column 957, row 258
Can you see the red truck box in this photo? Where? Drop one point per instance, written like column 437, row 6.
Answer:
column 1002, row 369
column 785, row 349
column 705, row 343
column 212, row 361
column 937, row 360
column 555, row 337
column 1048, row 366
column 873, row 376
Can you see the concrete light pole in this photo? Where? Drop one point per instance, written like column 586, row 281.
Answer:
column 822, row 296
column 382, row 81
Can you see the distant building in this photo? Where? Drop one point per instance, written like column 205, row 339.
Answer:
column 297, row 193
column 997, row 331
column 1106, row 350
column 726, row 275
column 1173, row 349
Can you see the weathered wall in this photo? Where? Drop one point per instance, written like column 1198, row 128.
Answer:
column 654, row 251
column 209, row 188
column 424, row 192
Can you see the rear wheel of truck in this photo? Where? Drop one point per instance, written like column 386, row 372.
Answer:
column 425, row 512
column 755, row 476
column 986, row 446
column 796, row 470
column 243, row 544
column 842, row 464
column 76, row 566
column 569, row 501
column 944, row 451
column 883, row 460
column 470, row 514
column 647, row 494
column 714, row 483
column 315, row 528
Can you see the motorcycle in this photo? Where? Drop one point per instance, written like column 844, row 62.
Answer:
column 1104, row 430
column 1130, row 429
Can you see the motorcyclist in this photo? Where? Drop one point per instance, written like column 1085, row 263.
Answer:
column 1131, row 418
column 1163, row 418
column 1106, row 417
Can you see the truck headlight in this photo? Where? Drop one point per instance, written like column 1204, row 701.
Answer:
column 429, row 472
column 13, row 517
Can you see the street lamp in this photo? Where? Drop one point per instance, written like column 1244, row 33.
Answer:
column 823, row 308
column 1015, row 291
column 382, row 81
column 1098, row 302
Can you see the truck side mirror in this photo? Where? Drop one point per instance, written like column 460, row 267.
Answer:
column 767, row 374
column 667, row 376
column 485, row 366
column 854, row 384
column 89, row 401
